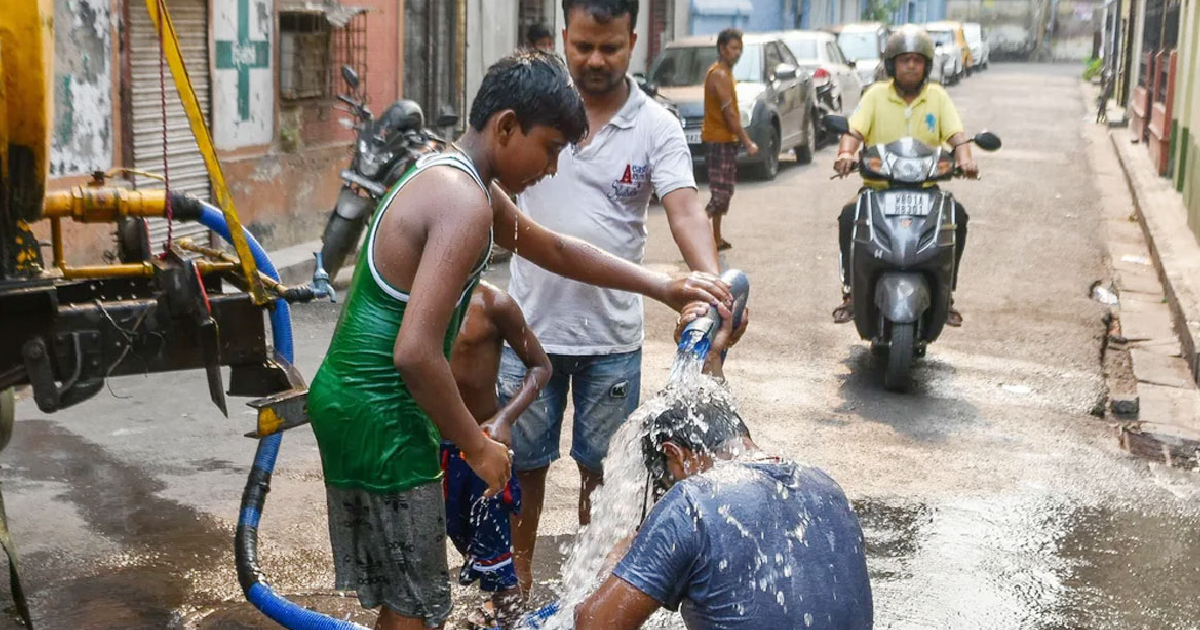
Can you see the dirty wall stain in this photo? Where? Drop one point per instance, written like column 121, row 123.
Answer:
column 82, row 139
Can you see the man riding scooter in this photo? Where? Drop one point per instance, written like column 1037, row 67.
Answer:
column 906, row 106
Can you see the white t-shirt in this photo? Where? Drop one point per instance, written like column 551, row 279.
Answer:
column 601, row 194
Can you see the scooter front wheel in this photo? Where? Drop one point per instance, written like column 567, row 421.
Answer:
column 340, row 238
column 901, row 349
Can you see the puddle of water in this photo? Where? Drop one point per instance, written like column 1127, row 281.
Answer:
column 1030, row 563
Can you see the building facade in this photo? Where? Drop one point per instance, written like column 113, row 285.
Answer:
column 266, row 75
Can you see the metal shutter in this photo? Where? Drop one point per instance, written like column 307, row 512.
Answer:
column 183, row 155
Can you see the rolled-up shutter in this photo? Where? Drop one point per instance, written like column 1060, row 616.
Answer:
column 185, row 163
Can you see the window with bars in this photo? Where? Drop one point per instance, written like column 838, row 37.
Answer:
column 531, row 12
column 312, row 52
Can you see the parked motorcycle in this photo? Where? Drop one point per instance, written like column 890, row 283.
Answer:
column 384, row 150
column 902, row 252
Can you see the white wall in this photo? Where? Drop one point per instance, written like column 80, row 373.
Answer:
column 82, row 139
column 683, row 18
column 230, row 129
column 491, row 34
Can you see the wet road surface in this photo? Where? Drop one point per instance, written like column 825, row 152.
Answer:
column 990, row 496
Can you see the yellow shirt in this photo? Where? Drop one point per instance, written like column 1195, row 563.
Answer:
column 714, row 127
column 883, row 116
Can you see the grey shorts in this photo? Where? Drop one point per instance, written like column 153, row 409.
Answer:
column 391, row 549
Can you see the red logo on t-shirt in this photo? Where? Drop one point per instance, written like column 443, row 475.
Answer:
column 627, row 178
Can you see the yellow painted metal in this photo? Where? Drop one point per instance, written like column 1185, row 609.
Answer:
column 187, row 96
column 26, row 101
column 104, row 204
column 269, row 422
column 136, row 270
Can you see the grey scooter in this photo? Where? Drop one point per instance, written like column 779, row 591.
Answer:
column 902, row 262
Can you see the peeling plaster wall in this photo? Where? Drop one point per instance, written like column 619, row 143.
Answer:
column 82, row 139
column 244, row 73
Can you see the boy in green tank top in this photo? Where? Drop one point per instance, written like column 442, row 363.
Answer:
column 385, row 397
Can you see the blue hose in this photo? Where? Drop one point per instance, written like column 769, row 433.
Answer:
column 254, row 584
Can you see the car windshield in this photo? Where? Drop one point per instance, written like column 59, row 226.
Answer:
column 942, row 38
column 858, row 46
column 803, row 48
column 685, row 67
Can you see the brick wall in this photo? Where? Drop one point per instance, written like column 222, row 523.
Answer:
column 285, row 192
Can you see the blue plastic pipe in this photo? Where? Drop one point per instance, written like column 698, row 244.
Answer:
column 254, row 584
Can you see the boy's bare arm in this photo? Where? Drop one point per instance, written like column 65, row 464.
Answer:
column 582, row 262
column 453, row 243
column 510, row 323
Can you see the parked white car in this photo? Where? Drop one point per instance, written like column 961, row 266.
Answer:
column 862, row 43
column 819, row 54
column 948, row 57
column 978, row 43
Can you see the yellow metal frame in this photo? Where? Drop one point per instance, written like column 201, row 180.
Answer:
column 187, row 96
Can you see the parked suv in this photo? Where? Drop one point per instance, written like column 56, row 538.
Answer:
column 776, row 99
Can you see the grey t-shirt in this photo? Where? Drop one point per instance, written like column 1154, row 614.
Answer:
column 600, row 194
column 764, row 545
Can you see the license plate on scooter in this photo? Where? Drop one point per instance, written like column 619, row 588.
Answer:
column 907, row 204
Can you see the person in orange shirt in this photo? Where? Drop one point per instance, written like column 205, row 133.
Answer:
column 722, row 129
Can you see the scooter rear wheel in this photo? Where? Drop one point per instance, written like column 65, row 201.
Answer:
column 900, row 357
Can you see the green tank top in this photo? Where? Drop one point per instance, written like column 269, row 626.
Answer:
column 371, row 433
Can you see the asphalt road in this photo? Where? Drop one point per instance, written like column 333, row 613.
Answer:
column 990, row 496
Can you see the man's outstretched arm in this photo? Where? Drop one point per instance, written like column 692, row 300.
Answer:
column 616, row 605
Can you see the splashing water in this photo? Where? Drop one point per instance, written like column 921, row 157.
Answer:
column 614, row 516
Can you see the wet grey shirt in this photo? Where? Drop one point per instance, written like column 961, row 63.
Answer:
column 762, row 545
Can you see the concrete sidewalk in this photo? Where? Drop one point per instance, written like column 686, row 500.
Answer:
column 1157, row 276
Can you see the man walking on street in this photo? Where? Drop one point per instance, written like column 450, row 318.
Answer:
column 600, row 194
column 722, row 130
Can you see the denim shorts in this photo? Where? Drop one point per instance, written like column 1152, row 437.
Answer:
column 604, row 390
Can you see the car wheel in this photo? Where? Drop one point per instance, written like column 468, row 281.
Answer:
column 805, row 152
column 769, row 167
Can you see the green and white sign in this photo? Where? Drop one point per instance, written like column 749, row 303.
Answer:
column 244, row 94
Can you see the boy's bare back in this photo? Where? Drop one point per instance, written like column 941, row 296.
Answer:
column 475, row 359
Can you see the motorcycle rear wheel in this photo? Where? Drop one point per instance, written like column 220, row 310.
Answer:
column 900, row 357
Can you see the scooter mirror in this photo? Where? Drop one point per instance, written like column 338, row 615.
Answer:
column 987, row 141
column 836, row 123
column 350, row 76
column 447, row 120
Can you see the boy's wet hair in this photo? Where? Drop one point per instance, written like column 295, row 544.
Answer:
column 728, row 35
column 703, row 427
column 603, row 10
column 534, row 84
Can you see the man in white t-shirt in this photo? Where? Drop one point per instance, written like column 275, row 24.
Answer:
column 600, row 194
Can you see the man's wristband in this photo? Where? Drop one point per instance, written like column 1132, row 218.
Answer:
column 846, row 154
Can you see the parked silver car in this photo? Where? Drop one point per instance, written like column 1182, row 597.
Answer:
column 775, row 97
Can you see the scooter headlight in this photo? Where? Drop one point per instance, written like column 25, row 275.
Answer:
column 911, row 170
column 370, row 162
